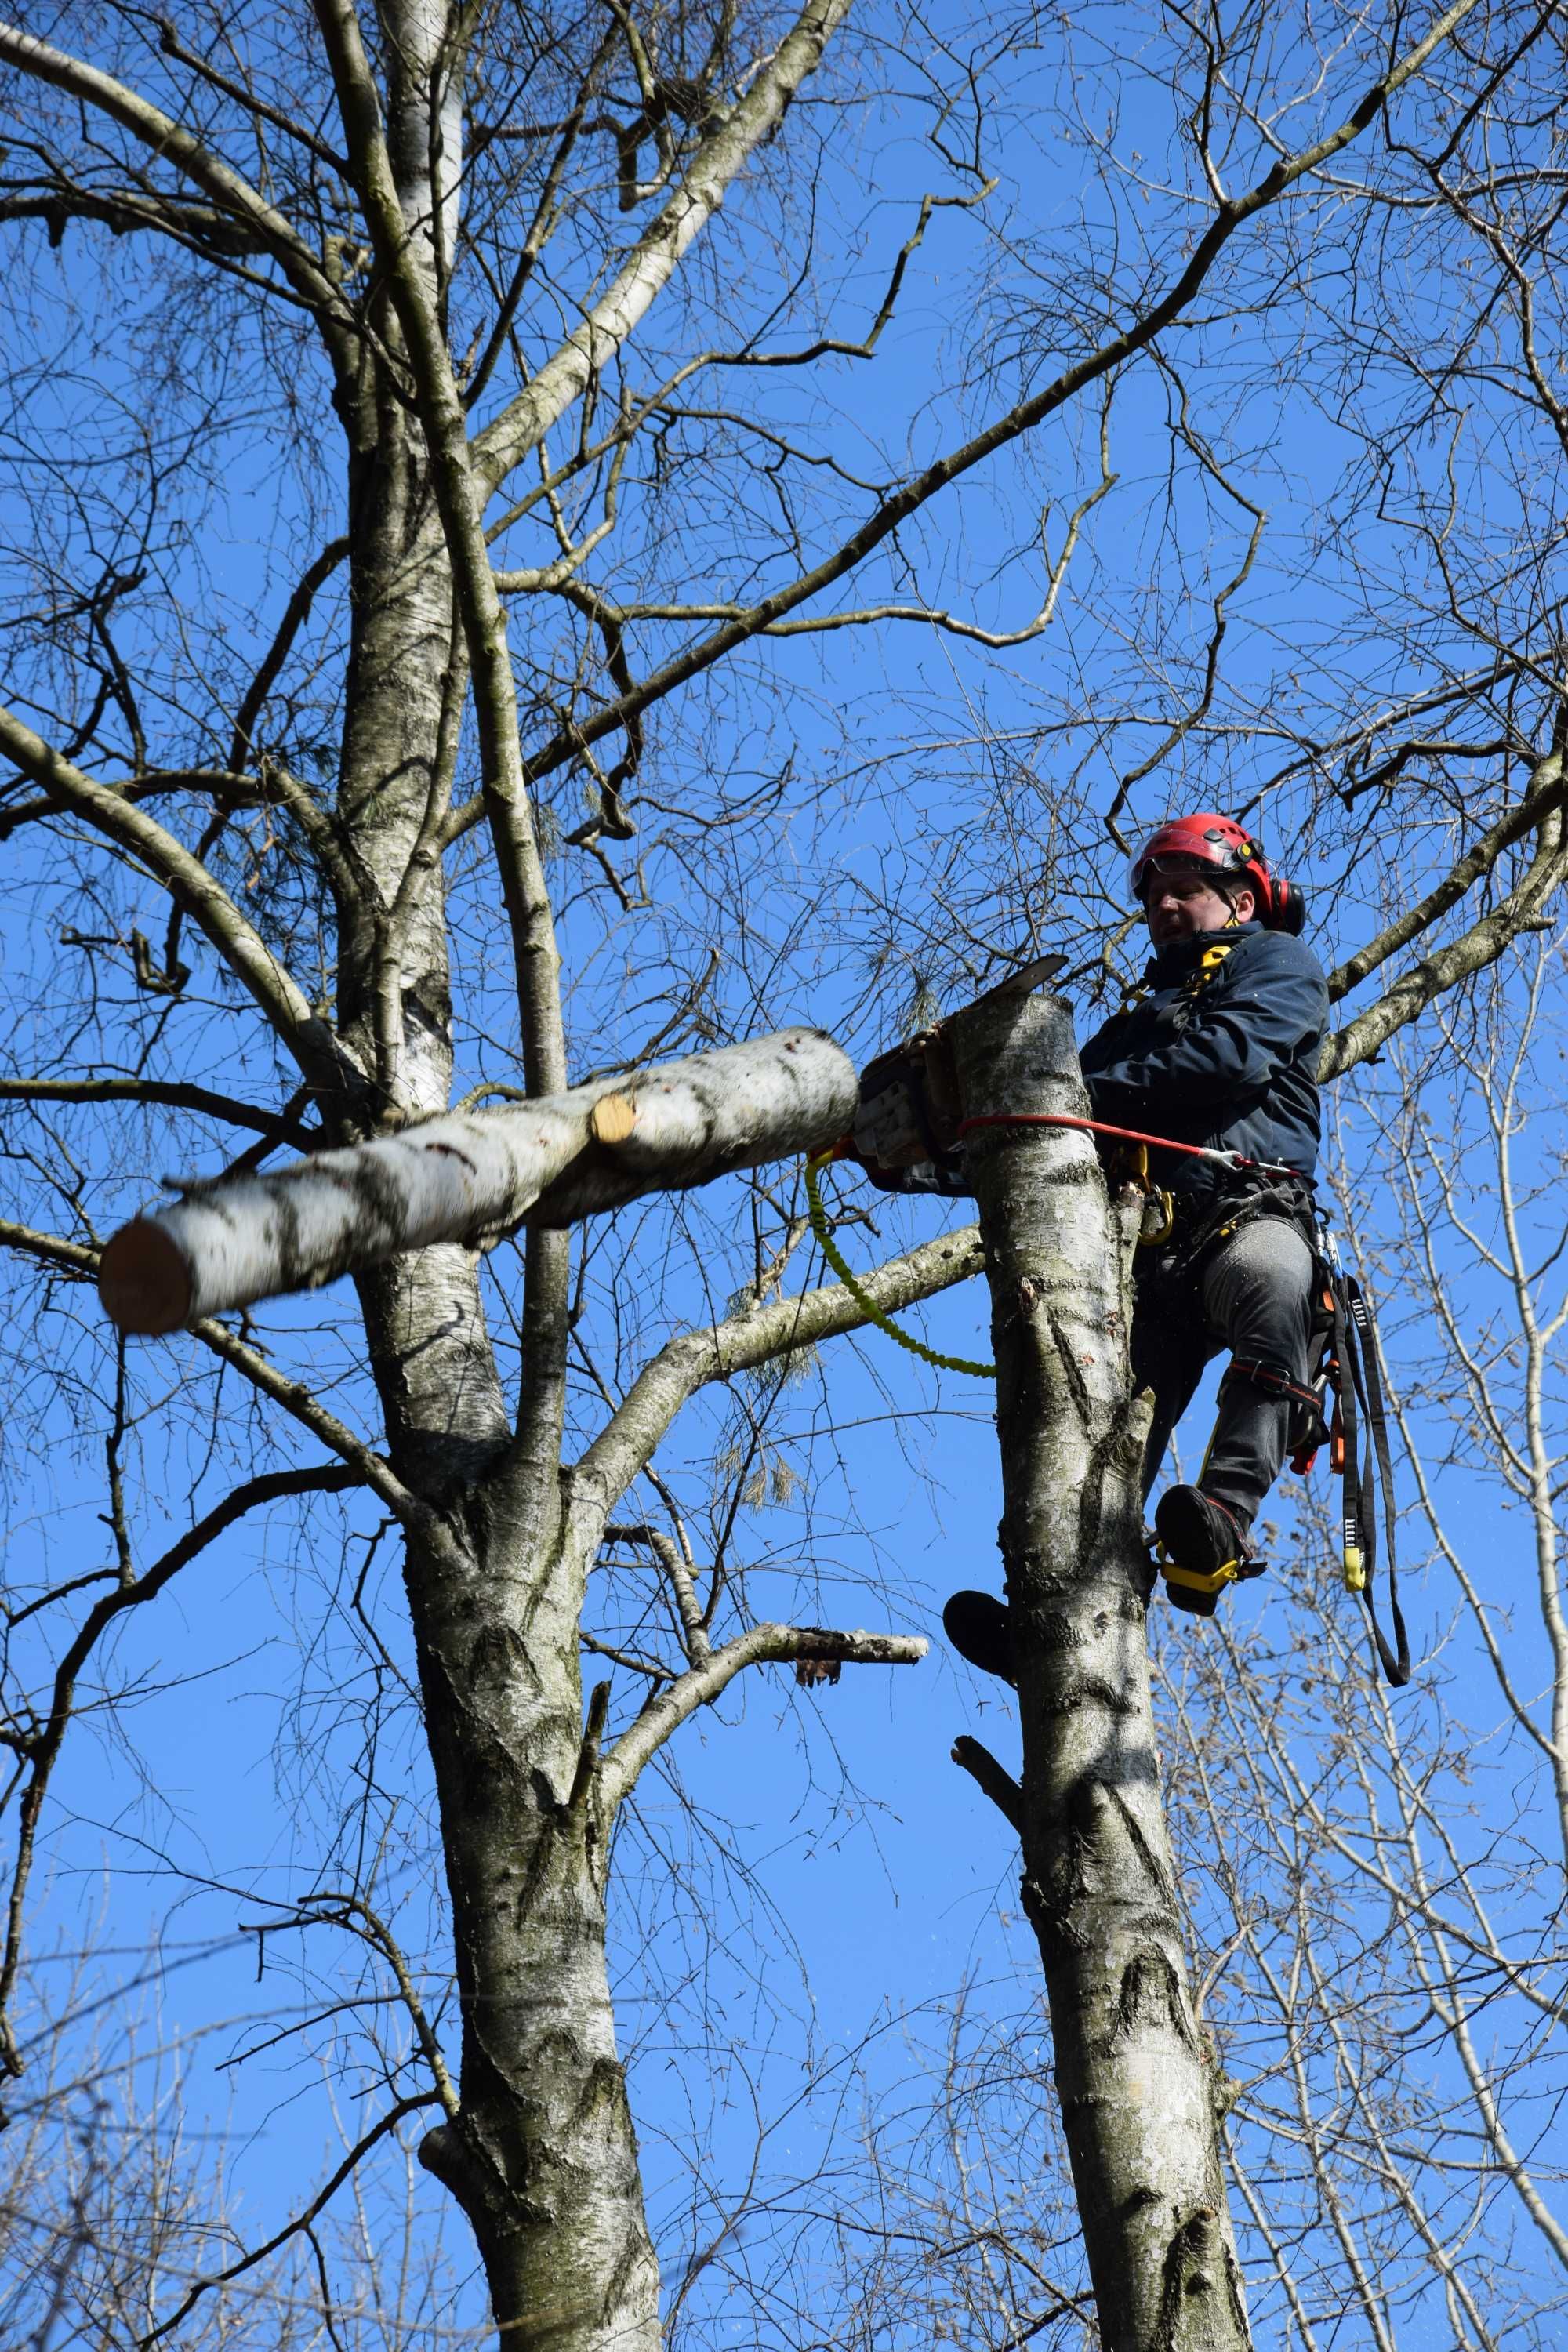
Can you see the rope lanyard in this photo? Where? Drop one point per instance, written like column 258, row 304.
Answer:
column 1361, row 1382
column 862, row 1296
column 1129, row 1135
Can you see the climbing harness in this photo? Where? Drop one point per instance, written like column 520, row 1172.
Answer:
column 1347, row 1371
column 858, row 1293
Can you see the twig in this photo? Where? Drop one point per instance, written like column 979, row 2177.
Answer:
column 302, row 2221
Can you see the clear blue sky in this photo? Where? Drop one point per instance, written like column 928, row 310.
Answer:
column 876, row 1881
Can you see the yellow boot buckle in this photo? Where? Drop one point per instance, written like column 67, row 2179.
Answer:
column 1225, row 1573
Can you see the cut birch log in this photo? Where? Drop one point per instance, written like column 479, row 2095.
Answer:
column 473, row 1176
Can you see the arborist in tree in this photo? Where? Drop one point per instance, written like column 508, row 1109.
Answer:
column 1218, row 1048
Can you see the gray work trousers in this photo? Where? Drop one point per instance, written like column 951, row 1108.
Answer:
column 1252, row 1294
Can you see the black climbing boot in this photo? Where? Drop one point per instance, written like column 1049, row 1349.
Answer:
column 1203, row 1547
column 977, row 1623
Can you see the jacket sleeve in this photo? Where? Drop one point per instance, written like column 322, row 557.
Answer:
column 1241, row 1033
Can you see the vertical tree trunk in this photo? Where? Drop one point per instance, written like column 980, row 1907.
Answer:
column 1135, row 2077
column 541, row 2153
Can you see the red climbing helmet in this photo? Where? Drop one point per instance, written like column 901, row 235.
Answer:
column 1210, row 839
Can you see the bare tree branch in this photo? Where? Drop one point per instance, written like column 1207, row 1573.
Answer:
column 296, row 613
column 719, row 158
column 901, row 504
column 41, row 1747
column 168, row 1094
column 321, row 1055
column 1486, row 939
column 225, row 187
column 683, row 1365
column 302, row 2221
column 1546, row 792
column 664, row 1710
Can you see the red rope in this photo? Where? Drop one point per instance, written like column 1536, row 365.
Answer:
column 1125, row 1135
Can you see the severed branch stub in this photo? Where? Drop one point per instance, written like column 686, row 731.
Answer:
column 470, row 1177
column 976, row 1759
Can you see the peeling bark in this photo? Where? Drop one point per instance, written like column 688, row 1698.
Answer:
column 1134, row 2073
column 542, row 2155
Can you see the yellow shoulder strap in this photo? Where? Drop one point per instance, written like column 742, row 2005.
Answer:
column 1207, row 964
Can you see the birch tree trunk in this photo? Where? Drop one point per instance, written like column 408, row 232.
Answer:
column 537, row 2143
column 1133, row 2072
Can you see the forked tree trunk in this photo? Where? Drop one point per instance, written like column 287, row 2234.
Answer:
column 1135, row 2077
column 540, row 2152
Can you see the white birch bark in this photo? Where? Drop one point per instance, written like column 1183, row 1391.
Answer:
column 1136, row 2075
column 468, row 1177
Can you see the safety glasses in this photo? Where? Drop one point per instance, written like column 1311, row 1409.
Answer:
column 1188, row 874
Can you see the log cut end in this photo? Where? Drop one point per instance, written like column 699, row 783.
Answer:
column 612, row 1119
column 144, row 1280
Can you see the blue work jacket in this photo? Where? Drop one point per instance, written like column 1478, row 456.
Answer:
column 1233, row 1064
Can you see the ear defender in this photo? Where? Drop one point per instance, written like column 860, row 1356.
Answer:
column 1287, row 907
column 1282, row 907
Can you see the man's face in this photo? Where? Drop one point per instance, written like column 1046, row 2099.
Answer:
column 1182, row 901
